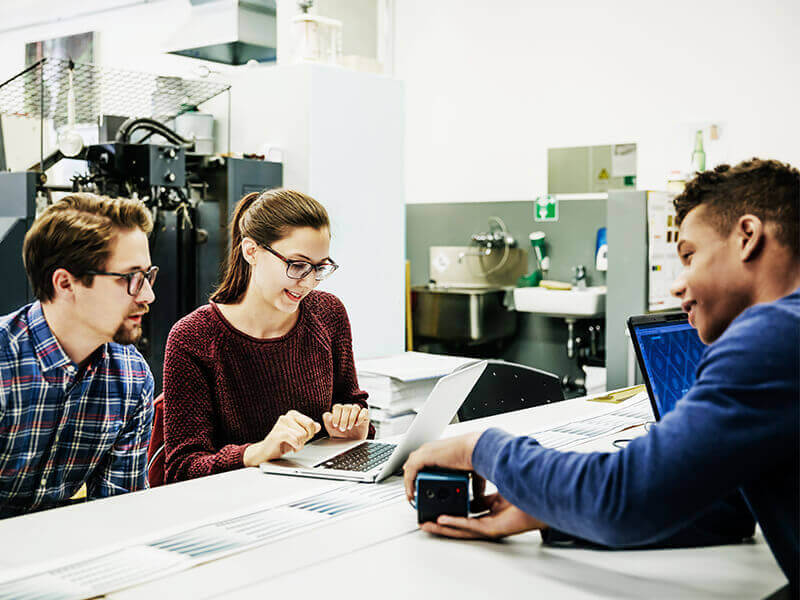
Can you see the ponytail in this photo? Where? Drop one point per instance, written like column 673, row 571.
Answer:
column 266, row 217
column 237, row 270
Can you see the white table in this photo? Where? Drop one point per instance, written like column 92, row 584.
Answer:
column 381, row 552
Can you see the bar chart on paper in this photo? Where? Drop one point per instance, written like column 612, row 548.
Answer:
column 119, row 568
column 635, row 411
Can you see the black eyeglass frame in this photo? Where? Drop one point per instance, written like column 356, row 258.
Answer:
column 149, row 274
column 316, row 268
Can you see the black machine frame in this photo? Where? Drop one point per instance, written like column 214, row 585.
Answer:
column 190, row 195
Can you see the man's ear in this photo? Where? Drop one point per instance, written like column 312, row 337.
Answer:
column 749, row 232
column 63, row 283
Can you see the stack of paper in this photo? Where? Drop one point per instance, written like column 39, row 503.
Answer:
column 389, row 396
column 398, row 386
column 390, row 426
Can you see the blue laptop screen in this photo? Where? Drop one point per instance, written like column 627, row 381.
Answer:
column 671, row 353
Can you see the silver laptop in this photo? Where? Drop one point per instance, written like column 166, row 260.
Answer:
column 371, row 461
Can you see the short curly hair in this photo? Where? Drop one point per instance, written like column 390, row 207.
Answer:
column 767, row 189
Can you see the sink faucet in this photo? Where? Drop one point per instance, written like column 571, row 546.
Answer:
column 579, row 279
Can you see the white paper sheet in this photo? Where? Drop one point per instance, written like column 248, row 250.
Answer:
column 663, row 264
column 115, row 568
column 412, row 366
column 634, row 411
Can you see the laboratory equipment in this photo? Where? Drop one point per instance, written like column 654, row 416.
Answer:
column 70, row 142
column 316, row 38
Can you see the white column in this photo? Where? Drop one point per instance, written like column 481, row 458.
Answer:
column 342, row 136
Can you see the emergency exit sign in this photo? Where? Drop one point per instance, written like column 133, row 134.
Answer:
column 545, row 208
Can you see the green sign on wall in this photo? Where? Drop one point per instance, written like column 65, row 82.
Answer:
column 545, row 208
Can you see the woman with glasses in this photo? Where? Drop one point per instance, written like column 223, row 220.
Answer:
column 268, row 364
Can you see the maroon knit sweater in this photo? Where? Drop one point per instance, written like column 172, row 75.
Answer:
column 224, row 390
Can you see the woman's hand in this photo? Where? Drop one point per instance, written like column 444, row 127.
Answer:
column 347, row 421
column 290, row 433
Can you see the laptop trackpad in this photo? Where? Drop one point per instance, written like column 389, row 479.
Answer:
column 316, row 452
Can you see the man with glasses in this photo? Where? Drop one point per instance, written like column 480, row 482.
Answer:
column 75, row 395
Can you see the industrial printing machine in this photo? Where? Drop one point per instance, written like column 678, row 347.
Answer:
column 191, row 196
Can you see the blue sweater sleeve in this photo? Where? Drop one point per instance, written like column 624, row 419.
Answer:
column 741, row 413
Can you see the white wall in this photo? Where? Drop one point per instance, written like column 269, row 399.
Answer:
column 342, row 137
column 491, row 85
column 131, row 35
column 359, row 24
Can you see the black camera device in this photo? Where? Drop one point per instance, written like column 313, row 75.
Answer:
column 442, row 492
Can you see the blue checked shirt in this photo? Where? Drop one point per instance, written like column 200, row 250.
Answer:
column 61, row 426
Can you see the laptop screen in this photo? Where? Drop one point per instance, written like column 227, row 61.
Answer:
column 669, row 350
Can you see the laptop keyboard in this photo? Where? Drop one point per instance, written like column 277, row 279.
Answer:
column 364, row 457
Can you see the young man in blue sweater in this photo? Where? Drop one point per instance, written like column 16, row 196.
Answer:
column 736, row 428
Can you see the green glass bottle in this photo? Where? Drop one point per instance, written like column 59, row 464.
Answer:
column 698, row 155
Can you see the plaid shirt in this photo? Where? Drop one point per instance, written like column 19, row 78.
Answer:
column 62, row 426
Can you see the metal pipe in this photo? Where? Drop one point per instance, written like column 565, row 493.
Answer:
column 41, row 114
column 21, row 73
column 570, row 338
column 229, row 121
column 135, row 123
column 181, row 255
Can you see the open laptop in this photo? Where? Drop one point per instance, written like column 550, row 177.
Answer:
column 371, row 461
column 668, row 350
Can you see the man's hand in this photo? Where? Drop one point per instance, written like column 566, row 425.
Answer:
column 347, row 421
column 452, row 453
column 290, row 433
column 504, row 519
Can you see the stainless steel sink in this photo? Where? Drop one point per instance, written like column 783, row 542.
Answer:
column 464, row 315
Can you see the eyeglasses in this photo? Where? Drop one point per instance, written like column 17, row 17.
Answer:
column 135, row 279
column 299, row 269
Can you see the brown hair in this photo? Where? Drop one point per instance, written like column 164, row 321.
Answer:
column 767, row 189
column 74, row 233
column 266, row 217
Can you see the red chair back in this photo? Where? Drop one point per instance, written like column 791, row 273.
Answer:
column 155, row 451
